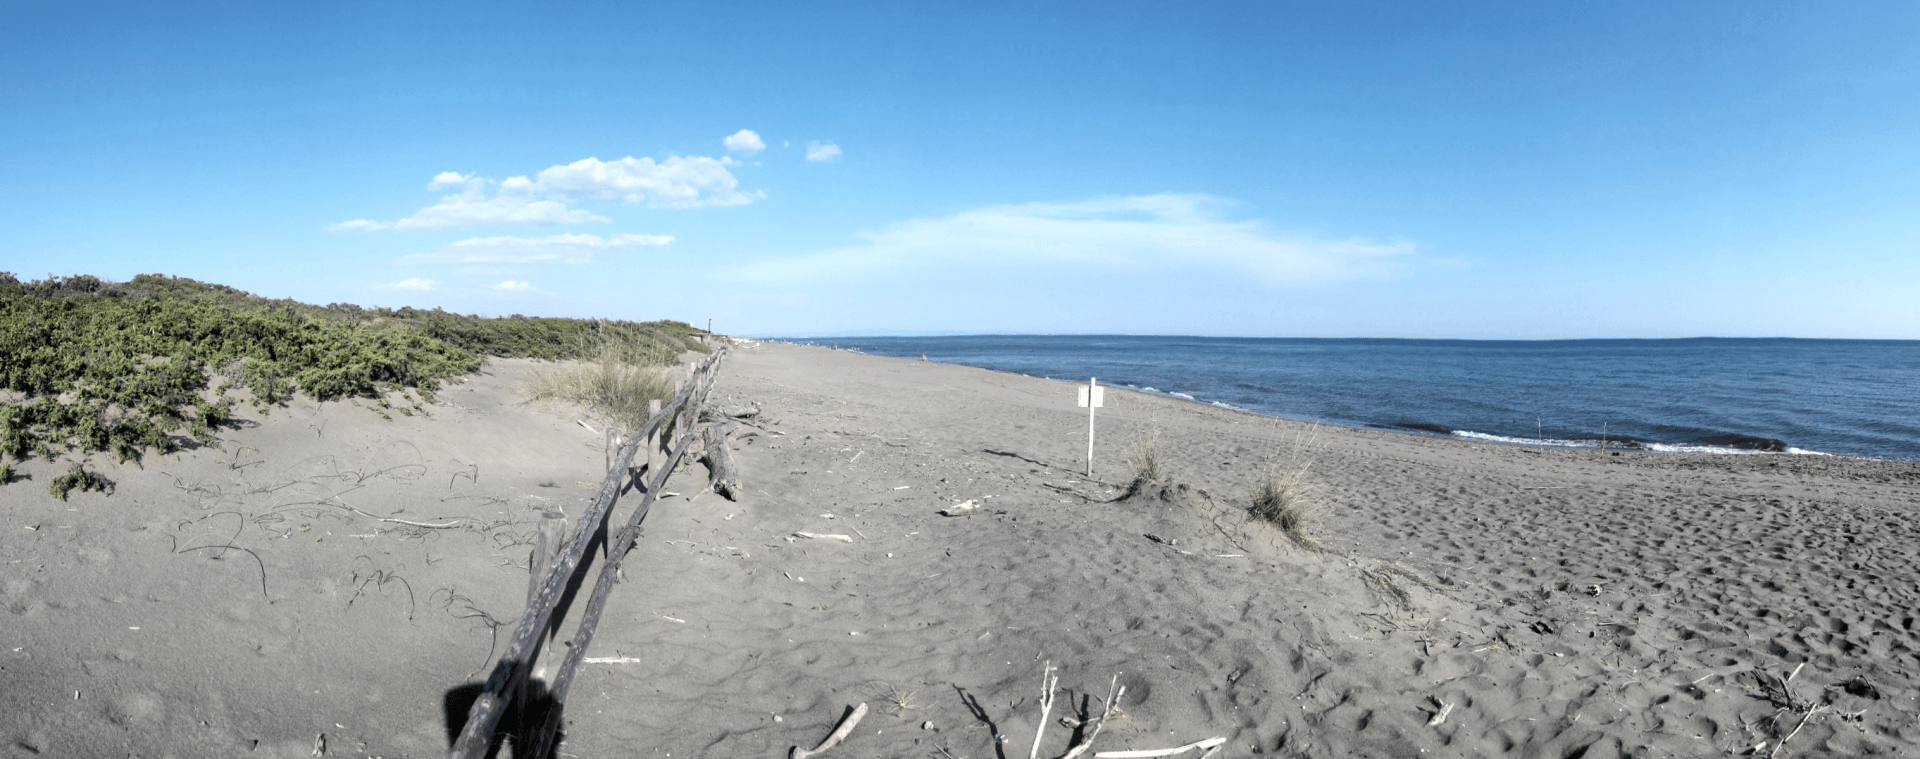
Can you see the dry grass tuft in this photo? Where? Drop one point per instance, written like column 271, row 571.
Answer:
column 1379, row 581
column 1284, row 496
column 614, row 386
column 1143, row 456
column 896, row 700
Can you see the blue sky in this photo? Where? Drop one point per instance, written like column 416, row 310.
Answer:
column 1476, row 170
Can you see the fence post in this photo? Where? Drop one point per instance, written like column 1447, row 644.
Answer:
column 547, row 545
column 515, row 663
column 653, row 440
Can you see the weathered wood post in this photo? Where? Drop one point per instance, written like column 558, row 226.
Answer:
column 547, row 544
column 653, row 440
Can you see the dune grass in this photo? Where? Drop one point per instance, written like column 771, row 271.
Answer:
column 1143, row 456
column 1283, row 496
column 614, row 387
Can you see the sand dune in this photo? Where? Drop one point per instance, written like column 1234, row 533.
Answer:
column 1549, row 603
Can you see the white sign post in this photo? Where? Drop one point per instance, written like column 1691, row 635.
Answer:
column 1092, row 396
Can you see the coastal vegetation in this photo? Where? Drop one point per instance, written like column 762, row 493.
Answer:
column 614, row 385
column 1279, row 499
column 77, row 476
column 158, row 363
column 1143, row 456
column 1283, row 495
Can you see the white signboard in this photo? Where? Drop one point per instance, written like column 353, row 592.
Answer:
column 1098, row 395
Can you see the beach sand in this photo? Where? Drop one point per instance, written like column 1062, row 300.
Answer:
column 260, row 600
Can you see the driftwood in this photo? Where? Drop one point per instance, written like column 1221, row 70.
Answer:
column 820, row 536
column 961, row 509
column 839, row 734
column 721, row 472
column 1113, row 696
column 730, row 412
column 1147, row 754
column 1048, row 682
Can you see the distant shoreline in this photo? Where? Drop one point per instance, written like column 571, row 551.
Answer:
column 1651, row 427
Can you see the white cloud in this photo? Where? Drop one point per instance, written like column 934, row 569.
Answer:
column 744, row 141
column 513, row 204
column 678, row 182
column 357, row 225
column 1147, row 234
column 447, row 179
column 511, row 286
column 567, row 248
column 410, row 283
column 549, row 197
column 822, row 152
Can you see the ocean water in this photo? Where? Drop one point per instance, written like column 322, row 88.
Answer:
column 1718, row 395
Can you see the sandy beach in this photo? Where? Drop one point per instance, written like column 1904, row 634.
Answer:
column 321, row 583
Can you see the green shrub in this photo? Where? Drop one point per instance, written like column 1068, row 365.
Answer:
column 77, row 476
column 95, row 365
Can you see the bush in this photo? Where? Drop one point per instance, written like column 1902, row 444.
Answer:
column 77, row 476
column 98, row 368
column 95, row 365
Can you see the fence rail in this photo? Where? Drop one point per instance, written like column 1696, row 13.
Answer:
column 510, row 675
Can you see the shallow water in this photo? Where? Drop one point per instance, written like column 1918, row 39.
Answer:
column 1728, row 395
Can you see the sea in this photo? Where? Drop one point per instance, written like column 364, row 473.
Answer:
column 1735, row 396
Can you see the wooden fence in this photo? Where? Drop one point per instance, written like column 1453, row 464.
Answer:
column 506, row 687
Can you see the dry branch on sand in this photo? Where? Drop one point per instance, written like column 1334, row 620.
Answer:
column 833, row 739
column 1210, row 744
column 1048, row 682
column 1114, row 692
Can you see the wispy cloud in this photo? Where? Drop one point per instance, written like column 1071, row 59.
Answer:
column 744, row 141
column 817, row 151
column 566, row 248
column 549, row 197
column 410, row 283
column 512, row 286
column 1145, row 234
